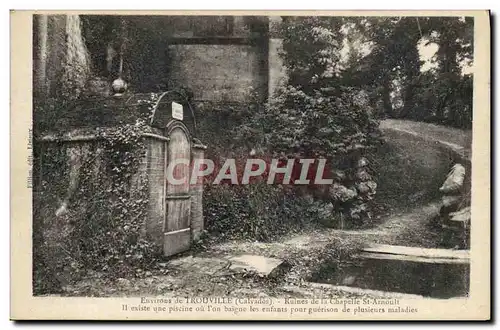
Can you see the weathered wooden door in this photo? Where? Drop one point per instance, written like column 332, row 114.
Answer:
column 177, row 229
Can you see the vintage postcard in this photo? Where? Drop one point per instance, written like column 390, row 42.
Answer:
column 281, row 165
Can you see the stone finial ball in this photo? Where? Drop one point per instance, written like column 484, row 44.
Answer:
column 119, row 86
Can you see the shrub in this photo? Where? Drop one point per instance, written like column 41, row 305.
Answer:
column 258, row 211
column 314, row 116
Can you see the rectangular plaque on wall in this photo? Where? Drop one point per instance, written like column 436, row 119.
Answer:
column 177, row 111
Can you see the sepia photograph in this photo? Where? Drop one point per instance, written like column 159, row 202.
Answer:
column 256, row 166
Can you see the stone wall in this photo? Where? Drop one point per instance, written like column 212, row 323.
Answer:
column 221, row 58
column 155, row 162
column 77, row 200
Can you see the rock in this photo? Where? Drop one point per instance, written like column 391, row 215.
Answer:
column 342, row 193
column 454, row 181
column 366, row 187
column 363, row 175
column 263, row 266
column 463, row 215
column 339, row 175
column 449, row 201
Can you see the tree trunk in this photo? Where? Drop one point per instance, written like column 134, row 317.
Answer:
column 77, row 61
column 386, row 98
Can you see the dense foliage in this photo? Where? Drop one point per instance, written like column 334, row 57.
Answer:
column 316, row 116
column 259, row 212
column 328, row 106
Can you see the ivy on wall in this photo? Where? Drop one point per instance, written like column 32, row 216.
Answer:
column 90, row 206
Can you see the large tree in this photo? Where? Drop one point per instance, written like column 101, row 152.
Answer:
column 394, row 67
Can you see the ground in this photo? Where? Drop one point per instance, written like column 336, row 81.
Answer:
column 300, row 251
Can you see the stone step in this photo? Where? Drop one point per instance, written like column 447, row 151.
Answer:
column 232, row 264
column 263, row 266
column 385, row 256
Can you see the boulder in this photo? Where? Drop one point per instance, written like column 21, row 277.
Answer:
column 463, row 215
column 339, row 175
column 342, row 193
column 449, row 201
column 363, row 175
column 366, row 187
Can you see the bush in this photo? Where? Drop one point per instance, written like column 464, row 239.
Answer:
column 314, row 116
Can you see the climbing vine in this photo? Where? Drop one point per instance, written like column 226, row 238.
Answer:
column 119, row 203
